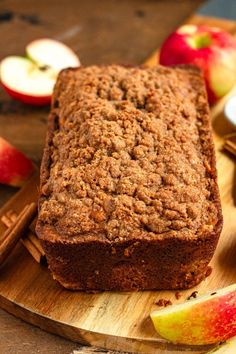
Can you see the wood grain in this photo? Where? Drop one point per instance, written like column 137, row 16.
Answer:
column 19, row 337
column 99, row 319
column 16, row 230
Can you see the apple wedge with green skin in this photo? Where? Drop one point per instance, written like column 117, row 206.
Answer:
column 31, row 80
column 15, row 167
column 208, row 319
column 228, row 347
column 46, row 52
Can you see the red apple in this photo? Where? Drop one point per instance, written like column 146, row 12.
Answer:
column 211, row 49
column 31, row 80
column 207, row 319
column 15, row 167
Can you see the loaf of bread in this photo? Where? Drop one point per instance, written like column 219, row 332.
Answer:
column 129, row 197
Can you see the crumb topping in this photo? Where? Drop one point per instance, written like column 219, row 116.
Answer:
column 128, row 155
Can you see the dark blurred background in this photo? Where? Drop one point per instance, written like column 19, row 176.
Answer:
column 102, row 31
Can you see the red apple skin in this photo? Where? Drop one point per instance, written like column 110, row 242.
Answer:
column 31, row 100
column 221, row 52
column 15, row 167
column 208, row 322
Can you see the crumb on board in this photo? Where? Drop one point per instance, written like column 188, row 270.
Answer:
column 178, row 295
column 193, row 295
column 209, row 271
column 163, row 302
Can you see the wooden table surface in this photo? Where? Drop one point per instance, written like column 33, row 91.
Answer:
column 104, row 31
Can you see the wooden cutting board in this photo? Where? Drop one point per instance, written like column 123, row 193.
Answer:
column 111, row 319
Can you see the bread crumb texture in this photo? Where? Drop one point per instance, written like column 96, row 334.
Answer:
column 131, row 154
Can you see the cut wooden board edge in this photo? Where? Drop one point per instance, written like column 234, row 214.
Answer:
column 86, row 337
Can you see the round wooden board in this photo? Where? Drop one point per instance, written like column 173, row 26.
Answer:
column 110, row 319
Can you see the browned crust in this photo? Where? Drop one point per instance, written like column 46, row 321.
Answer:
column 94, row 263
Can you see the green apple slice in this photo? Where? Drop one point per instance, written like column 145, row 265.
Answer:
column 208, row 319
column 51, row 53
column 23, row 76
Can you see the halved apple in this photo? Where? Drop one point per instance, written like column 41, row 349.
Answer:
column 23, row 80
column 48, row 52
column 208, row 319
column 31, row 80
column 15, row 167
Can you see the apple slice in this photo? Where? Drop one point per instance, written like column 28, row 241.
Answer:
column 31, row 80
column 51, row 53
column 24, row 81
column 228, row 347
column 15, row 167
column 208, row 319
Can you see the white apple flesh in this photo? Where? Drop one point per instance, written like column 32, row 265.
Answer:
column 51, row 53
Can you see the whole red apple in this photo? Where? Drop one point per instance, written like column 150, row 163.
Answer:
column 211, row 49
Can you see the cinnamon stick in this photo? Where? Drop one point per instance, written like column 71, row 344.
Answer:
column 30, row 240
column 230, row 143
column 16, row 231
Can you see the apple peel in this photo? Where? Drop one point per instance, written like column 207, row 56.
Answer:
column 208, row 319
column 15, row 167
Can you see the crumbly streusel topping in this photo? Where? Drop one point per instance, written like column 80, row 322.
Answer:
column 128, row 155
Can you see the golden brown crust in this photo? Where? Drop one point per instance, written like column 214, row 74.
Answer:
column 152, row 256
